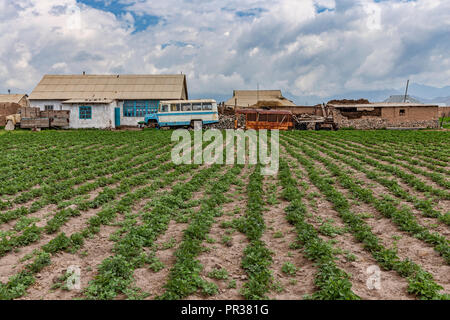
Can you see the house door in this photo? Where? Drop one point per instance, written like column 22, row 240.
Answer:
column 117, row 117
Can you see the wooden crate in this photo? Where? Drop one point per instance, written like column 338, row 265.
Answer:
column 29, row 113
column 27, row 123
column 59, row 122
column 55, row 114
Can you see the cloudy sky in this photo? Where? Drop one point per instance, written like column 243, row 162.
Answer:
column 311, row 49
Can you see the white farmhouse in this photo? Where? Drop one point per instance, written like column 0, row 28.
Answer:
column 107, row 101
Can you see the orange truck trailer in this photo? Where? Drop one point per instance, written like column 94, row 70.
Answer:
column 258, row 119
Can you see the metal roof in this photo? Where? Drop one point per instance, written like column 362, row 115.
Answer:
column 11, row 98
column 248, row 98
column 115, row 87
column 382, row 105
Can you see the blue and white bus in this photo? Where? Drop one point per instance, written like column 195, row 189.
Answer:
column 184, row 113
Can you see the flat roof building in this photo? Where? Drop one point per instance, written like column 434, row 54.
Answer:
column 386, row 114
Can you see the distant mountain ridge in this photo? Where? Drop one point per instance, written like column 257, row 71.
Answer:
column 401, row 98
column 418, row 92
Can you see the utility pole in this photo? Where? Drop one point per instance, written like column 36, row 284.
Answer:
column 406, row 92
column 257, row 93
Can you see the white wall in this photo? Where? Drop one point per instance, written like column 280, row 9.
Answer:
column 102, row 114
column 42, row 103
column 128, row 121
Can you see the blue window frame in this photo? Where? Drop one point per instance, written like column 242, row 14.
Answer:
column 128, row 109
column 85, row 112
column 139, row 108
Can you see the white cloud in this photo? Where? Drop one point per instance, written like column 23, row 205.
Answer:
column 222, row 46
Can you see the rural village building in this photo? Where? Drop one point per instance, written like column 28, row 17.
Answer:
column 258, row 98
column 10, row 104
column 20, row 99
column 107, row 101
column 383, row 115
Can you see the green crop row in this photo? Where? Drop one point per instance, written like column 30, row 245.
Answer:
column 332, row 282
column 421, row 283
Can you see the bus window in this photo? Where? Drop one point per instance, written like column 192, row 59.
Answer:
column 165, row 108
column 186, row 107
column 175, row 107
column 207, row 106
column 197, row 106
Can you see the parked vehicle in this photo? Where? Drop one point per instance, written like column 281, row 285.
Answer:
column 184, row 113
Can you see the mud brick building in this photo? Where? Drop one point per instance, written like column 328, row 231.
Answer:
column 385, row 115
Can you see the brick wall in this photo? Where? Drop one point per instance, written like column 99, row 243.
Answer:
column 444, row 112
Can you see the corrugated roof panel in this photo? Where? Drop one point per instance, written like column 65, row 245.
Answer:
column 75, row 86
column 99, row 88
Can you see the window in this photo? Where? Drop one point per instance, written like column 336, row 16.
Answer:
column 186, row 107
column 207, row 106
column 128, row 109
column 139, row 108
column 48, row 108
column 152, row 106
column 175, row 107
column 165, row 108
column 197, row 107
column 85, row 112
column 402, row 112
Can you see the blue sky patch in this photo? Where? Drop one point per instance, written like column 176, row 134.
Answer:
column 175, row 43
column 320, row 9
column 254, row 12
column 141, row 20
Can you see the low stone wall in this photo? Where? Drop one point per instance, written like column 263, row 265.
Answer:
column 228, row 122
column 371, row 124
